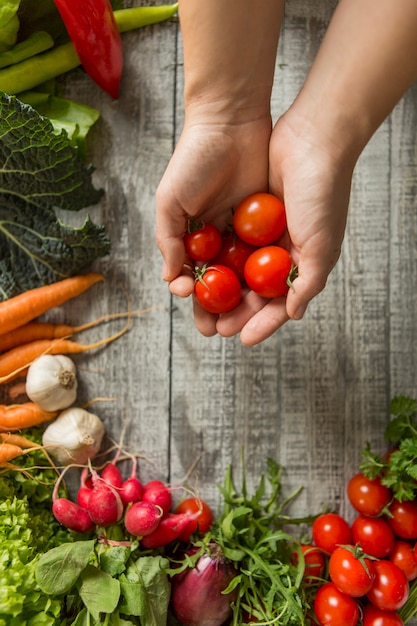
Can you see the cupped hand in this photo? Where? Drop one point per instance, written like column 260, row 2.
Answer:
column 213, row 167
column 313, row 177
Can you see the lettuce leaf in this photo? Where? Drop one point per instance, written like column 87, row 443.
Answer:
column 42, row 172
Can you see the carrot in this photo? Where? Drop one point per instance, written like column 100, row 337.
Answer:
column 25, row 415
column 26, row 306
column 18, row 440
column 9, row 451
column 33, row 331
column 13, row 362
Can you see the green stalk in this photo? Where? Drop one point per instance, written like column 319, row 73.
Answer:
column 130, row 19
column 40, row 68
column 36, row 42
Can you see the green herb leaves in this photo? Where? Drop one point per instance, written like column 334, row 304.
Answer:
column 41, row 172
column 398, row 469
column 106, row 580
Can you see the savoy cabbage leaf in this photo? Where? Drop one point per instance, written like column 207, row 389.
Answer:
column 41, row 172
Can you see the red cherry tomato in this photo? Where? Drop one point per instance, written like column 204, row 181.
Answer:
column 267, row 271
column 374, row 535
column 314, row 563
column 403, row 555
column 202, row 241
column 234, row 254
column 375, row 617
column 260, row 219
column 330, row 530
column 201, row 523
column 351, row 571
column 217, row 289
column 404, row 519
column 391, row 589
column 368, row 497
column 334, row 608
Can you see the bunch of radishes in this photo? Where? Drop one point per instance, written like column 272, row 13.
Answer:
column 105, row 498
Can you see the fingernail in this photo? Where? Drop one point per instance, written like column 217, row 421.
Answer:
column 299, row 312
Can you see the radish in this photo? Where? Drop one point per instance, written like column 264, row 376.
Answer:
column 142, row 518
column 85, row 490
column 157, row 493
column 105, row 506
column 112, row 476
column 169, row 529
column 131, row 490
column 72, row 516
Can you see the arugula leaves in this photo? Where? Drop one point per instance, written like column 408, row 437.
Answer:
column 398, row 469
column 41, row 172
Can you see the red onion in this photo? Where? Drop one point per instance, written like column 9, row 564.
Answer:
column 197, row 598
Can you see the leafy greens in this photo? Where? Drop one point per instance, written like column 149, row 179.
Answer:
column 40, row 172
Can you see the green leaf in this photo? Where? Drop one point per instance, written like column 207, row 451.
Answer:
column 41, row 172
column 58, row 569
column 99, row 591
column 146, row 590
column 73, row 117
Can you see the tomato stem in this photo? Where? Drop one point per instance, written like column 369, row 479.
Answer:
column 292, row 276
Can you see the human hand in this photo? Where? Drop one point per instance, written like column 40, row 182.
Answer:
column 213, row 167
column 313, row 177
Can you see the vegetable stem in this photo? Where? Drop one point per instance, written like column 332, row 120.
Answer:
column 36, row 42
column 136, row 17
column 40, row 68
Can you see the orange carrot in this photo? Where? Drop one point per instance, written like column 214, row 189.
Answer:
column 13, row 362
column 26, row 306
column 33, row 331
column 9, row 451
column 25, row 415
column 18, row 440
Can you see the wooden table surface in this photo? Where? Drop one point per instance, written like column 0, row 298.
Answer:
column 313, row 394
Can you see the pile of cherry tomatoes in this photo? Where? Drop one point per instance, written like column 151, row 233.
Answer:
column 247, row 255
column 360, row 573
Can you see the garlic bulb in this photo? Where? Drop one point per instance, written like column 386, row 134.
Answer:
column 74, row 436
column 51, row 382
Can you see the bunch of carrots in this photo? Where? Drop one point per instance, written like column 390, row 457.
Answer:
column 23, row 339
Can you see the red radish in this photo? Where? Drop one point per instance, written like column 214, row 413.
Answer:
column 131, row 490
column 169, row 529
column 112, row 476
column 157, row 493
column 83, row 496
column 142, row 518
column 105, row 506
column 72, row 516
column 85, row 490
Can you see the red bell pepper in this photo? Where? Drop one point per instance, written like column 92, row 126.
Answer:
column 92, row 28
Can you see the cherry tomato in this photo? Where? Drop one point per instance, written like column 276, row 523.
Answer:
column 202, row 241
column 374, row 535
column 368, row 497
column 234, row 254
column 404, row 519
column 403, row 555
column 334, row 608
column 267, row 271
column 260, row 219
column 314, row 563
column 330, row 530
column 375, row 617
column 391, row 589
column 203, row 520
column 351, row 571
column 217, row 289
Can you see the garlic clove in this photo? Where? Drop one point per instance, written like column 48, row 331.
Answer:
column 75, row 436
column 51, row 382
